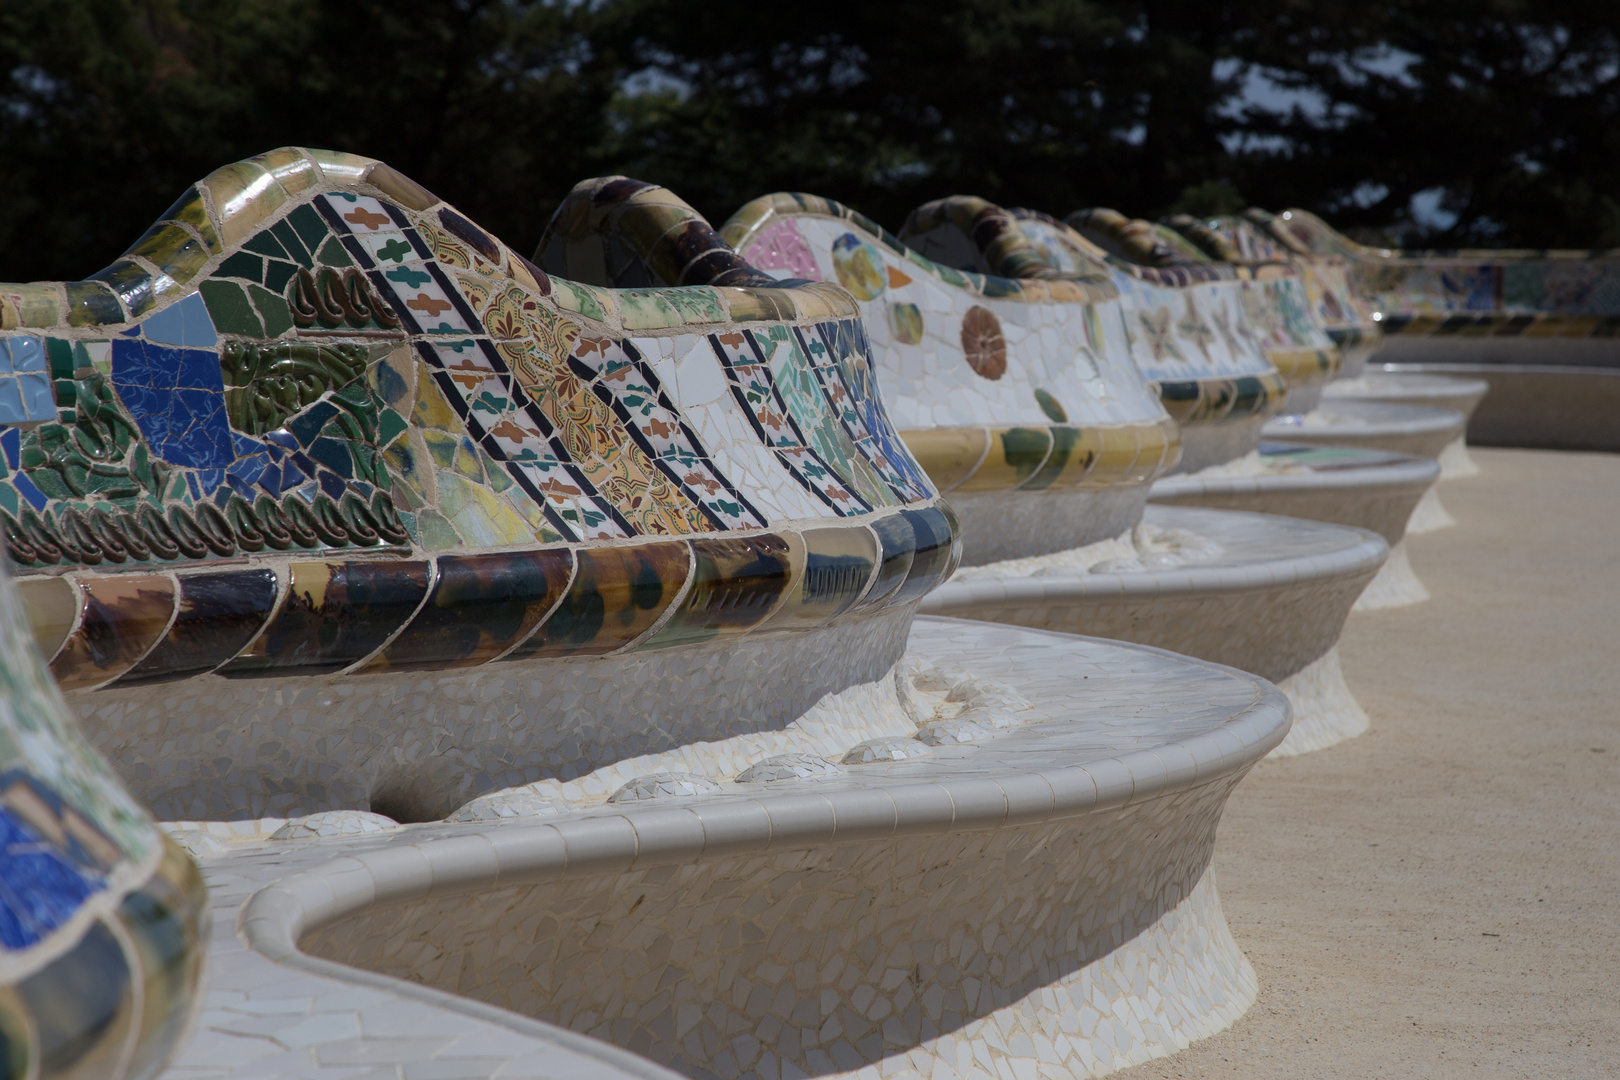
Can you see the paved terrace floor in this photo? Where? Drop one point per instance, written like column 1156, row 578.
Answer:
column 1441, row 897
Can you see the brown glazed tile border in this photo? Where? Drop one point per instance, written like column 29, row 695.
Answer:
column 303, row 617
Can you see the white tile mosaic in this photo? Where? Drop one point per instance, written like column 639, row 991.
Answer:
column 417, row 745
column 1262, row 594
column 1367, row 489
column 1035, row 902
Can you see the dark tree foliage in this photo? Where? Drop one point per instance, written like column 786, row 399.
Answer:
column 114, row 106
column 1438, row 122
column 1506, row 112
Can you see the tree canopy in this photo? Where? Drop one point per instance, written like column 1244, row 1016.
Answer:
column 1428, row 122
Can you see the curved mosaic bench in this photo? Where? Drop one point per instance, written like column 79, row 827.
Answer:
column 632, row 231
column 326, row 462
column 1405, row 429
column 1190, row 339
column 1276, row 307
column 103, row 920
column 1251, row 244
column 944, row 369
column 1539, row 326
column 1369, row 489
column 1014, row 242
column 977, row 909
column 1063, row 442
column 1254, row 251
column 1453, row 393
column 342, row 514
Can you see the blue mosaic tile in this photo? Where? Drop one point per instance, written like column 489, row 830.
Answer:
column 29, row 490
column 22, row 354
column 177, row 397
column 332, row 484
column 186, row 323
column 51, row 887
column 11, row 402
column 38, row 402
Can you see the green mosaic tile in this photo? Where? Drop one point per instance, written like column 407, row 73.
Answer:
column 277, row 272
column 577, row 298
column 91, row 303
column 36, row 305
column 390, row 426
column 442, row 446
column 244, row 264
column 333, row 253
column 273, row 309
column 228, row 306
column 189, row 209
column 434, row 532
column 310, row 227
column 496, row 476
column 265, row 243
column 59, row 352
column 697, row 304
column 645, row 310
column 290, row 242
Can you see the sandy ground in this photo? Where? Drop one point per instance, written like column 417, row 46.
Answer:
column 1441, row 897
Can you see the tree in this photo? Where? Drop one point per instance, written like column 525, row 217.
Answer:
column 115, row 106
column 1433, row 121
column 1502, row 115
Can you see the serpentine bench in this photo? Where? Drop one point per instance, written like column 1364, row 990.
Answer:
column 1365, row 488
column 1275, row 306
column 1537, row 326
column 386, row 566
column 1344, row 417
column 1191, row 338
column 1285, row 303
column 1167, row 581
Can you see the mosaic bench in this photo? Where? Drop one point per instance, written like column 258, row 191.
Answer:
column 1449, row 392
column 1253, row 251
column 1537, row 326
column 326, row 462
column 1193, row 342
column 1353, row 409
column 386, row 566
column 1040, row 898
column 1276, row 308
column 1239, row 600
column 1365, row 488
column 1285, row 314
column 1012, row 428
